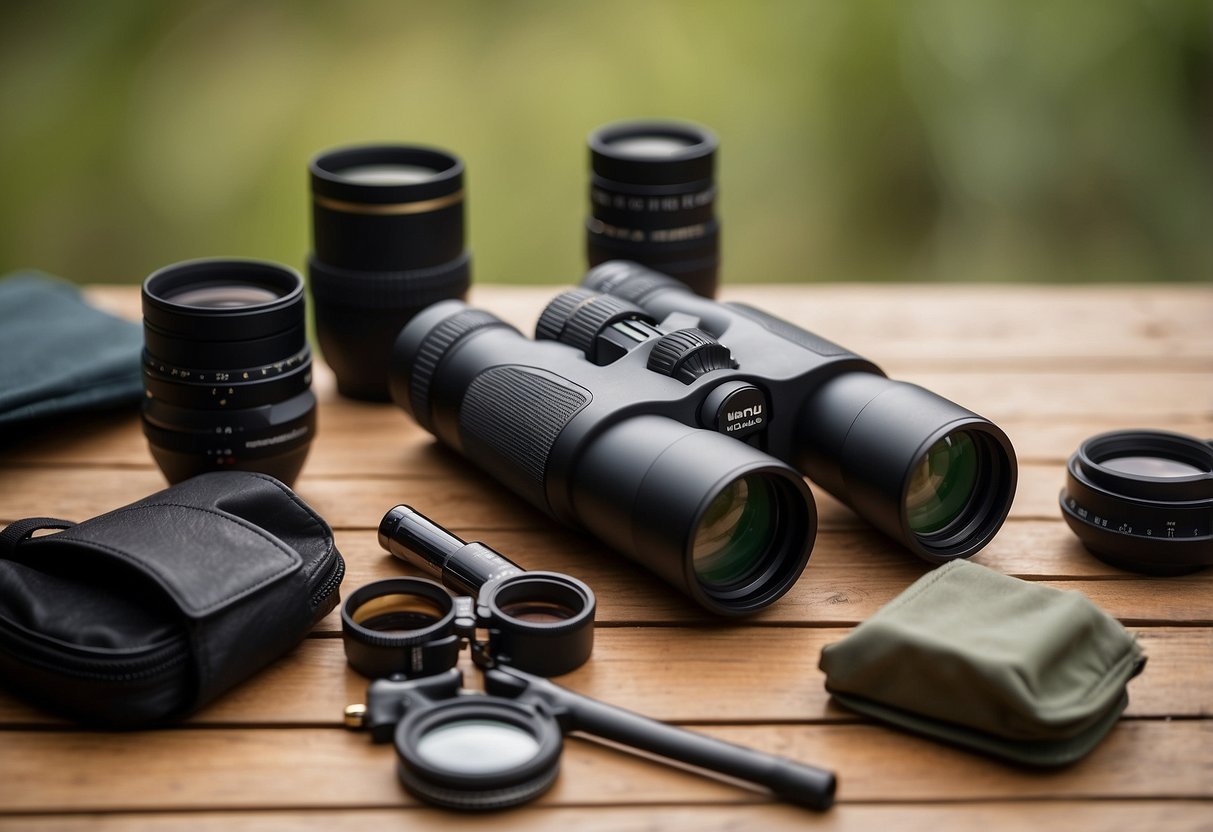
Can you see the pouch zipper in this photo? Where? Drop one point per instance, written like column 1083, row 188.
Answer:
column 157, row 660
column 333, row 575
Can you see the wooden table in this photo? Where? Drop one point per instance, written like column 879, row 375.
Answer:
column 1051, row 365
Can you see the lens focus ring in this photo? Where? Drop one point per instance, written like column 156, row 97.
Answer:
column 434, row 346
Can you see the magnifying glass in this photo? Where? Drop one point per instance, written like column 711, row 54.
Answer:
column 466, row 750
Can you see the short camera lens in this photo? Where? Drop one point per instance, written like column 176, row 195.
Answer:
column 942, row 483
column 227, row 370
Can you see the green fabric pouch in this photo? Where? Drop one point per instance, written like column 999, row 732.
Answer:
column 977, row 658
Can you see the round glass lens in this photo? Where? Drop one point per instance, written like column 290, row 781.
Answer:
column 538, row 612
column 735, row 532
column 477, row 746
column 651, row 147
column 1151, row 466
column 398, row 612
column 388, row 174
column 942, row 483
column 222, row 295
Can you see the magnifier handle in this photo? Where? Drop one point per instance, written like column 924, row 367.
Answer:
column 787, row 779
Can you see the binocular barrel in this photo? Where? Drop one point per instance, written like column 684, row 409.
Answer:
column 934, row 476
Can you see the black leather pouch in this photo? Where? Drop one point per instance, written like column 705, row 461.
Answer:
column 147, row 613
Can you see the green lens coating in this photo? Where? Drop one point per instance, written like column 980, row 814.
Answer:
column 942, row 483
column 735, row 532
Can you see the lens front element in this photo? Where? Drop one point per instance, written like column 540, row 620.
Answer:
column 477, row 746
column 735, row 533
column 942, row 483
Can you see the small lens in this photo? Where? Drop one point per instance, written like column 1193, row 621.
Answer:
column 222, row 296
column 387, row 174
column 477, row 746
column 942, row 483
column 398, row 612
column 227, row 370
column 1151, row 466
column 538, row 612
column 651, row 147
column 734, row 533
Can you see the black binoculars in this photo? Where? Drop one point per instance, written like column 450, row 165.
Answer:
column 676, row 428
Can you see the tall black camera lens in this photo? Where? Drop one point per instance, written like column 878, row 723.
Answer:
column 226, row 369
column 652, row 200
column 387, row 227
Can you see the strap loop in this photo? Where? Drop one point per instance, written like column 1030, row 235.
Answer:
column 20, row 530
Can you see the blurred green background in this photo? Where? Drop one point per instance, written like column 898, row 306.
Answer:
column 1041, row 140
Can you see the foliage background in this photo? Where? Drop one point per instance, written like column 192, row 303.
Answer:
column 1043, row 140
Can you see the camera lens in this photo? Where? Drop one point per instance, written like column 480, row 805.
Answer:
column 735, row 533
column 942, row 483
column 652, row 199
column 227, row 370
column 1143, row 500
column 387, row 224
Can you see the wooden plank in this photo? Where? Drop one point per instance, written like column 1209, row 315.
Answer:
column 1003, row 816
column 457, row 489
column 374, row 440
column 915, row 321
column 329, row 768
column 852, row 572
column 661, row 672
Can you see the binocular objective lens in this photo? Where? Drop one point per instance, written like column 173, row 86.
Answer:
column 477, row 746
column 942, row 483
column 735, row 532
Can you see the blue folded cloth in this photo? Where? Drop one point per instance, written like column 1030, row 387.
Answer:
column 58, row 354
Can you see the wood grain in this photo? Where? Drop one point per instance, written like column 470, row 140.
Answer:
column 329, row 768
column 663, row 673
column 993, row 816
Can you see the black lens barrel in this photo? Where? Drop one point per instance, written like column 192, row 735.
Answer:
column 388, row 233
column 227, row 370
column 652, row 199
column 1156, row 525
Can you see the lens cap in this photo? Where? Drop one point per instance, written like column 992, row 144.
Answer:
column 1143, row 500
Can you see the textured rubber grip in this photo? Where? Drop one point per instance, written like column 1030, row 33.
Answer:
column 509, row 420
column 409, row 289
